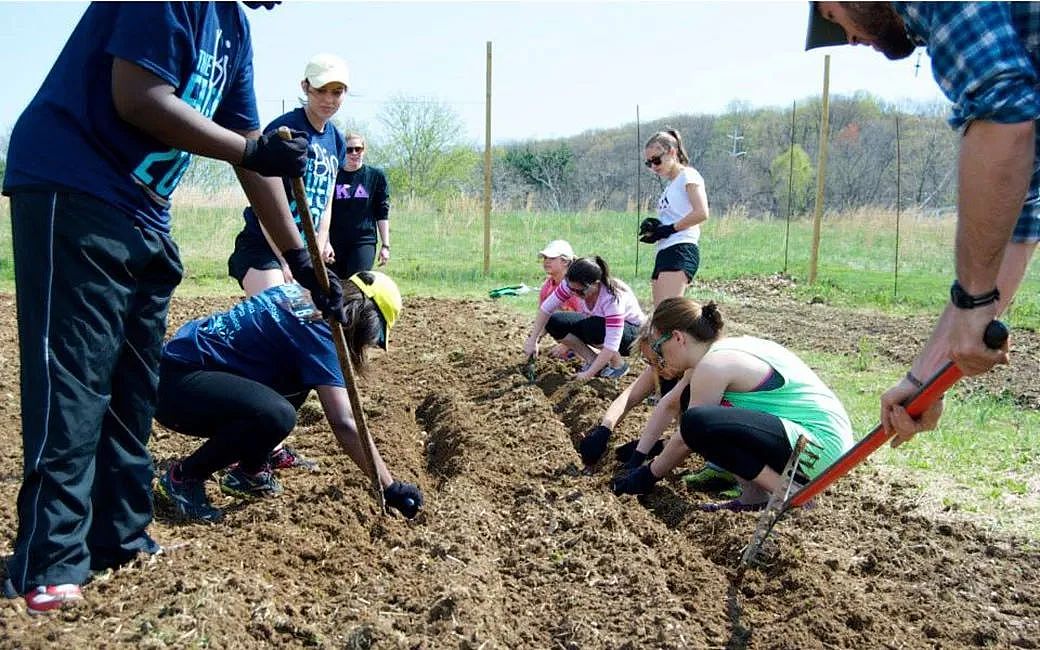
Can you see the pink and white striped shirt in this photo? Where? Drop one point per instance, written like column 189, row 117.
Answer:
column 616, row 311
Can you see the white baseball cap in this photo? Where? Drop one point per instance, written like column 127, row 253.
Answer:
column 558, row 248
column 325, row 69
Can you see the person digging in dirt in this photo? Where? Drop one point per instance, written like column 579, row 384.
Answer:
column 610, row 319
column 92, row 166
column 238, row 377
column 594, row 444
column 750, row 400
column 996, row 102
column 556, row 258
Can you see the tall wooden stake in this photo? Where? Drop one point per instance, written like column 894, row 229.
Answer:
column 821, row 169
column 487, row 167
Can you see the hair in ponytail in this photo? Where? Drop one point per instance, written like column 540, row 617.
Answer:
column 670, row 140
column 361, row 324
column 703, row 323
column 589, row 270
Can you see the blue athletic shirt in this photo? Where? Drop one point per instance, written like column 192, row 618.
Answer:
column 324, row 155
column 262, row 339
column 70, row 136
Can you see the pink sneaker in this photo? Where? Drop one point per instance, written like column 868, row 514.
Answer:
column 47, row 598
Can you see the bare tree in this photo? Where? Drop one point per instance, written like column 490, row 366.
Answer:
column 424, row 149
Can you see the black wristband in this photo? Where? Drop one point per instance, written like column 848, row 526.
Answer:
column 964, row 300
column 914, row 380
column 386, row 246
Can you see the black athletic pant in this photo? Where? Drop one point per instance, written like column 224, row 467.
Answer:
column 589, row 329
column 739, row 440
column 354, row 258
column 243, row 420
column 93, row 290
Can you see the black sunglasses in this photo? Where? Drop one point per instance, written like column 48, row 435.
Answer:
column 579, row 291
column 355, row 149
column 655, row 160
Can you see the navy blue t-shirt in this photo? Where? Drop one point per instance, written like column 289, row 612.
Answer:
column 324, row 154
column 70, row 135
column 262, row 339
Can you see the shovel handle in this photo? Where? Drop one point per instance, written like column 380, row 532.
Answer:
column 995, row 336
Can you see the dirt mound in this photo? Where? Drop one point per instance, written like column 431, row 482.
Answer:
column 517, row 547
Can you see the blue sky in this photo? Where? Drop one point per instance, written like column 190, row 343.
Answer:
column 558, row 68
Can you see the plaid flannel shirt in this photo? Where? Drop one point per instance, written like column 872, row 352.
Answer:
column 985, row 57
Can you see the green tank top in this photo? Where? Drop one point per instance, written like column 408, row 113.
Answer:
column 804, row 404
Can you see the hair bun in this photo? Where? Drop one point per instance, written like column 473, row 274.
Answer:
column 710, row 313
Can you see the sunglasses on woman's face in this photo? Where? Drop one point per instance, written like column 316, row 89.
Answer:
column 655, row 347
column 355, row 149
column 653, row 161
column 580, row 291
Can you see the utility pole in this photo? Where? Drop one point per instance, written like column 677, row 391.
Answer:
column 736, row 138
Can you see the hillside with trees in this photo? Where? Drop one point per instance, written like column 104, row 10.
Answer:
column 757, row 161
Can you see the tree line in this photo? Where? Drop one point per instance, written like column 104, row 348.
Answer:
column 758, row 160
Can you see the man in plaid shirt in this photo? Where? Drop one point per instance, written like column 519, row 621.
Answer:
column 985, row 58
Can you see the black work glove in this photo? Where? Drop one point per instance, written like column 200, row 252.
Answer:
column 269, row 155
column 635, row 460
column 624, row 452
column 646, row 229
column 658, row 233
column 405, row 497
column 329, row 304
column 594, row 444
column 639, row 481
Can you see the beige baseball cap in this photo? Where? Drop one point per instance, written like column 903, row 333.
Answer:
column 822, row 32
column 558, row 248
column 325, row 69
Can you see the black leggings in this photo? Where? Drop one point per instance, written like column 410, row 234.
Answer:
column 353, row 259
column 739, row 440
column 589, row 329
column 243, row 420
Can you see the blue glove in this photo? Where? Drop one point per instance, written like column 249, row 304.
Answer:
column 639, row 481
column 405, row 497
column 269, row 155
column 594, row 444
column 329, row 304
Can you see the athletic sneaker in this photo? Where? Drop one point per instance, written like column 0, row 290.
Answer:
column 614, row 373
column 709, row 476
column 187, row 497
column 47, row 598
column 239, row 483
column 733, row 505
column 285, row 457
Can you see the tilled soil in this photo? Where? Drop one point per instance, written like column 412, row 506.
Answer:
column 518, row 548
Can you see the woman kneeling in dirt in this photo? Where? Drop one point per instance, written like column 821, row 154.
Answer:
column 238, row 378
column 750, row 399
column 610, row 318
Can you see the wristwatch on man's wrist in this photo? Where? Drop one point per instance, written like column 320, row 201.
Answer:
column 386, row 246
column 964, row 300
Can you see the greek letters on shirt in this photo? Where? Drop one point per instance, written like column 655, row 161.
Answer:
column 343, row 192
column 159, row 172
column 318, row 181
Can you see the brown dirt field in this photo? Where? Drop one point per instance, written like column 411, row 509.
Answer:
column 517, row 548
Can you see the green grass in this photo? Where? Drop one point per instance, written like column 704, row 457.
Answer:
column 983, row 459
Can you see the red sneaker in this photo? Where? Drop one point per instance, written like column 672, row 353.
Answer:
column 46, row 598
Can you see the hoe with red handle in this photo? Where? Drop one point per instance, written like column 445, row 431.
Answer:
column 782, row 501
